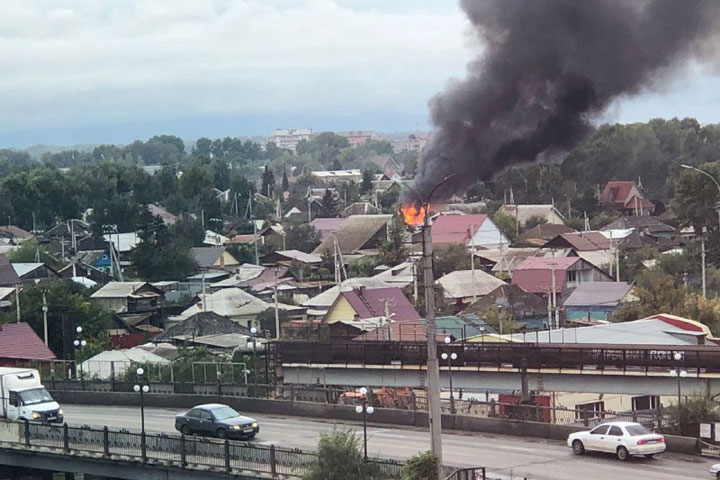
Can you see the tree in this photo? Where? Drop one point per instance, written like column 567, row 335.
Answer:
column 506, row 224
column 392, row 251
column 367, row 181
column 268, row 182
column 533, row 222
column 30, row 251
column 451, row 258
column 339, row 458
column 300, row 236
column 329, row 205
column 285, row 181
column 423, row 466
column 159, row 257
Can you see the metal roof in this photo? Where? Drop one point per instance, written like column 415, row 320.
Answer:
column 23, row 269
column 461, row 284
column 119, row 289
column 598, row 294
column 229, row 302
column 19, row 341
column 327, row 298
column 354, row 232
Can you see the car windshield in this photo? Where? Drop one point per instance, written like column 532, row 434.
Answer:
column 223, row 413
column 635, row 430
column 35, row 396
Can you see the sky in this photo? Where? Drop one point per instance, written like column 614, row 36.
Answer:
column 109, row 71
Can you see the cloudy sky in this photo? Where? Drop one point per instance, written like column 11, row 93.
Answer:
column 93, row 71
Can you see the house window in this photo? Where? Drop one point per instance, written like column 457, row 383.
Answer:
column 572, row 275
column 590, row 410
column 646, row 402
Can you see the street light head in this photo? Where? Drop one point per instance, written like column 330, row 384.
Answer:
column 358, row 409
column 686, row 166
column 370, row 410
column 683, row 373
column 678, row 356
column 76, row 343
column 447, row 340
column 83, row 343
column 453, row 356
column 363, row 391
column 253, row 330
column 145, row 389
column 673, row 373
column 444, row 356
column 482, row 329
column 78, row 329
column 140, row 371
column 136, row 388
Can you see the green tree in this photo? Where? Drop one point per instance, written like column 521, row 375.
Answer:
column 268, row 182
column 367, row 181
column 158, row 257
column 300, row 236
column 339, row 458
column 450, row 258
column 393, row 251
column 533, row 222
column 30, row 251
column 329, row 205
column 423, row 466
column 506, row 224
column 285, row 181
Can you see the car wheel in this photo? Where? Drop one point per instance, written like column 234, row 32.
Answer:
column 221, row 433
column 185, row 430
column 622, row 453
column 578, row 447
column 650, row 455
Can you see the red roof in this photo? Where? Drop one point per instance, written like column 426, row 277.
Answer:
column 581, row 241
column 616, row 192
column 642, row 203
column 19, row 341
column 370, row 303
column 448, row 229
column 534, row 274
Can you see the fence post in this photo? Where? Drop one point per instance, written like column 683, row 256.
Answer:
column 106, row 441
column 634, row 415
column 273, row 465
column 227, row 455
column 27, row 433
column 183, row 454
column 66, row 438
column 483, row 473
column 586, row 421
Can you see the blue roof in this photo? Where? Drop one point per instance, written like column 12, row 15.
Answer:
column 461, row 326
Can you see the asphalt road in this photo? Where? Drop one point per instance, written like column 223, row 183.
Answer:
column 507, row 457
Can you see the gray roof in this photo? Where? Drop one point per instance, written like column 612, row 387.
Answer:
column 8, row 276
column 199, row 325
column 23, row 269
column 354, row 232
column 598, row 294
column 206, row 256
column 120, row 289
column 460, row 284
column 230, row 302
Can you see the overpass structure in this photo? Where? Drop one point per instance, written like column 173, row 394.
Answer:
column 581, row 368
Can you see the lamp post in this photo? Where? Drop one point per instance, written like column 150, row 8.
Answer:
column 717, row 184
column 79, row 343
column 253, row 332
column 365, row 410
column 450, row 357
column 142, row 387
column 433, row 366
column 679, row 374
column 482, row 336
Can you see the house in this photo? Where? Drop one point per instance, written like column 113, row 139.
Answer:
column 82, row 270
column 214, row 239
column 157, row 210
column 477, row 230
column 19, row 343
column 359, row 137
column 207, row 258
column 319, row 304
column 521, row 306
column 129, row 297
column 31, row 272
column 580, row 241
column 326, row 226
column 400, row 275
column 463, row 286
column 123, row 242
column 359, row 208
column 290, row 137
column 7, row 294
column 502, row 261
column 333, row 177
column 646, row 231
column 233, row 303
column 356, row 233
column 8, row 275
column 414, row 143
column 286, row 257
column 361, row 304
column 626, row 197
column 387, row 166
column 535, row 274
column 120, row 363
column 539, row 235
column 15, row 235
column 199, row 325
column 523, row 213
column 597, row 301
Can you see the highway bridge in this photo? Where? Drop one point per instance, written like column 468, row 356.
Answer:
column 582, row 368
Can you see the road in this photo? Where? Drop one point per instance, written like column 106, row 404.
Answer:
column 507, row 457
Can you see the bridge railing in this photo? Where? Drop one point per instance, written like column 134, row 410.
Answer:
column 177, row 450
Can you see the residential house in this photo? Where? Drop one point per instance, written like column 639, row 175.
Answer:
column 414, row 143
column 94, row 264
column 333, row 177
column 15, row 235
column 580, row 241
column 502, row 261
column 456, row 327
column 462, row 287
column 319, row 304
column 326, row 226
column 477, row 231
column 359, row 208
column 519, row 305
column 123, row 243
column 32, row 272
column 129, row 297
column 597, row 301
column 233, row 303
column 400, row 275
column 208, row 258
column 357, row 233
column 626, row 197
column 19, row 343
column 388, row 166
column 8, row 275
column 157, row 210
column 214, row 239
column 200, row 324
column 289, row 138
column 539, row 235
column 359, row 137
column 286, row 257
column 646, row 231
column 535, row 274
column 523, row 213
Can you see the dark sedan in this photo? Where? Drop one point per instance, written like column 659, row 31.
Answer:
column 216, row 420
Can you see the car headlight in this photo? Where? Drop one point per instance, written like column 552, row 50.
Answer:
column 255, row 425
column 60, row 412
column 235, row 427
column 36, row 415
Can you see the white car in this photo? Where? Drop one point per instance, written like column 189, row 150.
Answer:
column 715, row 471
column 621, row 438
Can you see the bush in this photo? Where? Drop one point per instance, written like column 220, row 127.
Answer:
column 421, row 467
column 339, row 458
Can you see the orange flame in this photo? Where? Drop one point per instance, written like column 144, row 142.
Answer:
column 414, row 214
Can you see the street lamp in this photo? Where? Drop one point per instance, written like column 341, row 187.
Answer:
column 690, row 167
column 452, row 356
column 253, row 332
column 679, row 374
column 482, row 336
column 142, row 387
column 365, row 410
column 79, row 343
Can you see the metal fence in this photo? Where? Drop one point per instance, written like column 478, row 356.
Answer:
column 468, row 474
column 180, row 450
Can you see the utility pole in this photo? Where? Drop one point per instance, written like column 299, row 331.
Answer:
column 255, row 240
column 17, row 302
column 702, row 246
column 472, row 263
column 45, row 324
column 277, row 310
column 554, row 298
column 617, row 262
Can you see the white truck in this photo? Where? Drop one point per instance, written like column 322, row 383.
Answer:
column 24, row 398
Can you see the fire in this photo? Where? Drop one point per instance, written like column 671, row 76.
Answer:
column 414, row 214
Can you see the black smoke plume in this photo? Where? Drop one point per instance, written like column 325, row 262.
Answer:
column 547, row 68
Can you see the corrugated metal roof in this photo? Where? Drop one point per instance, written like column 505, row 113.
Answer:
column 326, row 226
column 581, row 241
column 369, row 303
column 23, row 269
column 325, row 299
column 460, row 283
column 534, row 274
column 355, row 231
column 8, row 277
column 118, row 289
column 598, row 294
column 19, row 341
column 447, row 229
column 228, row 302
column 300, row 256
column 123, row 242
